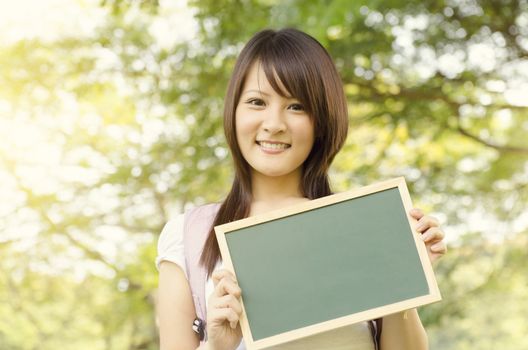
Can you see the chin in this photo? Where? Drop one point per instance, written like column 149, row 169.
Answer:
column 274, row 172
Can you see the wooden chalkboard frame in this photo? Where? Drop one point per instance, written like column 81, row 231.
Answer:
column 373, row 313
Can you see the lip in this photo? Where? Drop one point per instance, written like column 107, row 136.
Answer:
column 273, row 142
column 272, row 150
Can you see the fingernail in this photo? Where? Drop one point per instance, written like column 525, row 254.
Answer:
column 425, row 237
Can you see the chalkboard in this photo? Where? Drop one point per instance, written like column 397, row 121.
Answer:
column 327, row 263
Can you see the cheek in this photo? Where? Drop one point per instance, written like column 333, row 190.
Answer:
column 244, row 129
column 305, row 133
column 245, row 123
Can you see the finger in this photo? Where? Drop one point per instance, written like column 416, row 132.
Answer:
column 416, row 213
column 231, row 303
column 227, row 286
column 220, row 316
column 222, row 273
column 228, row 301
column 433, row 234
column 425, row 222
column 440, row 248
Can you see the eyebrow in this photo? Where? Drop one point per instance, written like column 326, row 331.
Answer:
column 266, row 94
column 257, row 91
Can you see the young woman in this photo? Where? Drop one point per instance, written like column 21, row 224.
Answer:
column 285, row 119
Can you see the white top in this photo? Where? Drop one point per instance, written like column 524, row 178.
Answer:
column 353, row 337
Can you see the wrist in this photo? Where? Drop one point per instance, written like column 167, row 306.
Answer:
column 403, row 315
column 207, row 346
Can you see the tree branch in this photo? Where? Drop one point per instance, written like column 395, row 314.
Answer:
column 419, row 94
column 501, row 148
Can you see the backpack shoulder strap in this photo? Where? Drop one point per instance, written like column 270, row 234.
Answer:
column 197, row 223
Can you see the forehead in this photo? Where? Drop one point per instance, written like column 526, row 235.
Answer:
column 256, row 79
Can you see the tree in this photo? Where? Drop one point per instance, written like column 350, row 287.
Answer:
column 106, row 136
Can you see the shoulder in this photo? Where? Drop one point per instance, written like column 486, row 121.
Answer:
column 206, row 211
column 170, row 242
column 198, row 222
column 173, row 226
column 185, row 234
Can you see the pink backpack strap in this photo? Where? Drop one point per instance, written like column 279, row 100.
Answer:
column 197, row 223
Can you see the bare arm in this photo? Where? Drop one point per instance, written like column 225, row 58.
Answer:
column 175, row 309
column 403, row 331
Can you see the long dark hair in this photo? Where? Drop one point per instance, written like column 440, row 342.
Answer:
column 308, row 73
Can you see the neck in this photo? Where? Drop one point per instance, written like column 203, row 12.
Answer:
column 271, row 192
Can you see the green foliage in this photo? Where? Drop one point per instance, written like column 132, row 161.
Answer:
column 484, row 287
column 106, row 137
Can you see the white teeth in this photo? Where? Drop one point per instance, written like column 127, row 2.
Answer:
column 273, row 145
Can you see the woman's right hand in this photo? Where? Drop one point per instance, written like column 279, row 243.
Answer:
column 223, row 312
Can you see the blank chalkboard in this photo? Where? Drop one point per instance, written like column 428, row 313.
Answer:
column 327, row 263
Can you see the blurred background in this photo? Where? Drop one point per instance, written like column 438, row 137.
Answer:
column 110, row 125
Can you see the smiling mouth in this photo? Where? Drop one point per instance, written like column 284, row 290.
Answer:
column 273, row 145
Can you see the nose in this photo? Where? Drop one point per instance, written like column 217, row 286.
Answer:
column 274, row 122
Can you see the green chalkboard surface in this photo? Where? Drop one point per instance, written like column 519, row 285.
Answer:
column 327, row 261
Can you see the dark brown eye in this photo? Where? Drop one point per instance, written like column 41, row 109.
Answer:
column 296, row 107
column 255, row 102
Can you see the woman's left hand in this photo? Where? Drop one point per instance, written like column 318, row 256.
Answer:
column 432, row 234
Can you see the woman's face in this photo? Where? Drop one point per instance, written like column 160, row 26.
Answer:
column 274, row 133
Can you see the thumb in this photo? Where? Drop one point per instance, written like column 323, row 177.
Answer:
column 416, row 213
column 216, row 277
